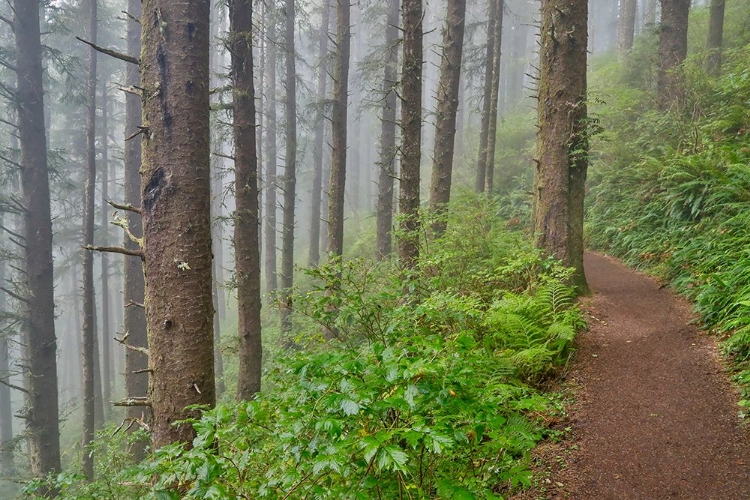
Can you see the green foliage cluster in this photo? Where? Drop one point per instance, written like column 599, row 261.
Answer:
column 671, row 190
column 429, row 388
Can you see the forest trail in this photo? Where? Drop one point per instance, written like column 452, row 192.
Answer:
column 655, row 417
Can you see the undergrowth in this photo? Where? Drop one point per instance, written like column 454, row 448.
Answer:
column 671, row 191
column 429, row 388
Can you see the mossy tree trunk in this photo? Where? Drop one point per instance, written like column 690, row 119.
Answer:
column 626, row 27
column 89, row 301
column 489, row 179
column 672, row 51
column 447, row 107
column 411, row 131
column 715, row 36
column 489, row 70
column 246, row 224
column 42, row 405
column 290, row 173
column 176, row 194
column 7, row 467
column 271, row 152
column 313, row 257
column 338, row 130
column 134, row 324
column 562, row 146
column 387, row 164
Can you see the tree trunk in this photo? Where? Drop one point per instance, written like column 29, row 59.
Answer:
column 489, row 70
column 492, row 129
column 89, row 300
column 270, row 237
column 715, row 36
column 336, row 191
column 626, row 27
column 649, row 12
column 411, row 131
column 672, row 51
column 176, row 194
column 447, row 106
column 290, row 175
column 387, row 164
column 217, row 225
column 246, row 249
column 136, row 380
column 107, row 368
column 562, row 148
column 6, row 412
column 313, row 257
column 42, row 414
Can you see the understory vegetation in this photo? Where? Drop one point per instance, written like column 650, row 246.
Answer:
column 670, row 192
column 430, row 394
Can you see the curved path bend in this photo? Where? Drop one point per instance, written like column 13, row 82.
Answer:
column 655, row 416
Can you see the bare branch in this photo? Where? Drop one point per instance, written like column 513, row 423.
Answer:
column 110, row 52
column 132, row 89
column 13, row 386
column 127, row 207
column 133, row 303
column 15, row 295
column 132, row 402
column 124, row 342
column 122, row 250
column 141, row 130
column 20, row 237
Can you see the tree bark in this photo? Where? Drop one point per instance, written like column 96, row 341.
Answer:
column 387, row 164
column 176, row 194
column 89, row 300
column 489, row 70
column 715, row 36
column 42, row 414
column 7, row 467
column 336, row 192
column 107, row 372
column 217, row 195
column 136, row 380
column 246, row 249
column 447, row 106
column 494, row 95
column 411, row 131
column 626, row 27
column 313, row 257
column 270, row 236
column 672, row 51
column 290, row 175
column 562, row 147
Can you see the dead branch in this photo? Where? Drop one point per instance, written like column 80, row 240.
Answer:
column 110, row 52
column 124, row 251
column 132, row 402
column 15, row 295
column 20, row 237
column 124, row 342
column 133, row 303
column 141, row 130
column 127, row 207
column 131, row 89
column 13, row 386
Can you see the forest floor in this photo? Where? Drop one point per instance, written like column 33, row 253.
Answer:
column 654, row 415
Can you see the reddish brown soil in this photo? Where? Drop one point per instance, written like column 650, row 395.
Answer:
column 655, row 417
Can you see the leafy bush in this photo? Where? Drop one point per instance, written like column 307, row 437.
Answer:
column 430, row 394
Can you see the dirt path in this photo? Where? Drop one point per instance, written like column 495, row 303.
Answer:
column 655, row 417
